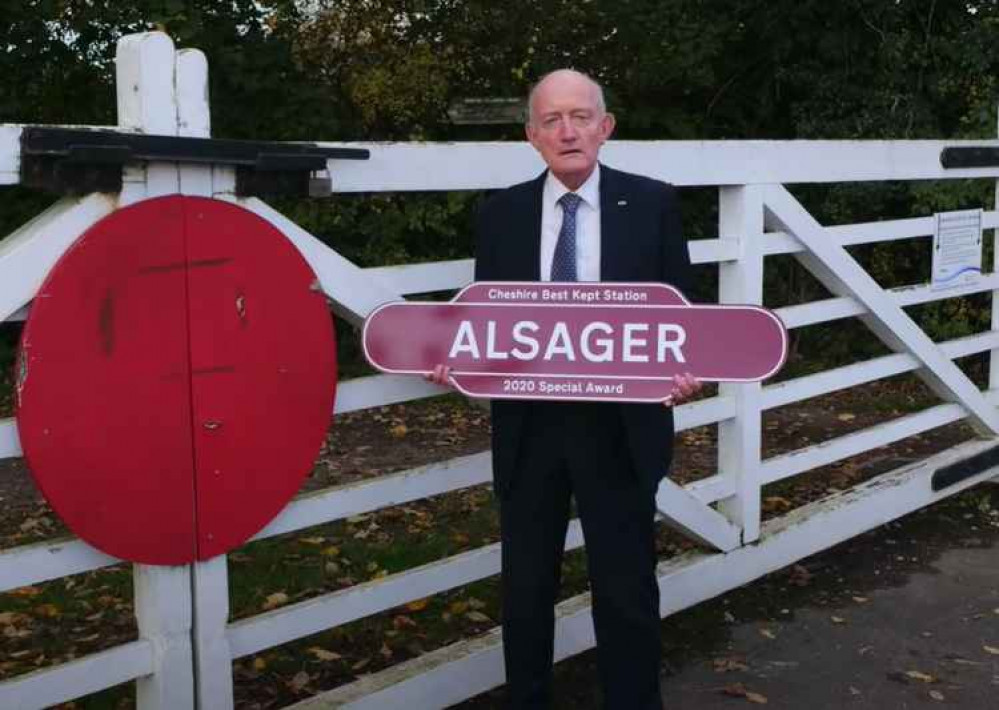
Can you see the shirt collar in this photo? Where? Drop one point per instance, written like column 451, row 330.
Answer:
column 589, row 191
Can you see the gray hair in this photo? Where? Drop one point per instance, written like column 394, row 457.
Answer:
column 601, row 104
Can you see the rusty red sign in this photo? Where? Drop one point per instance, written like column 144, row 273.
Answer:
column 175, row 380
column 575, row 341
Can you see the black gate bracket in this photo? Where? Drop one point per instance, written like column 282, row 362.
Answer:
column 970, row 157
column 954, row 473
column 78, row 161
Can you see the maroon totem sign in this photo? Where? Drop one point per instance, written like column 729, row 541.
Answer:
column 621, row 342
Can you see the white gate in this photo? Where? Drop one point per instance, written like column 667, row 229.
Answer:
column 186, row 646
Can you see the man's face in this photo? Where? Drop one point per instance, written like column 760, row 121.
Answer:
column 567, row 126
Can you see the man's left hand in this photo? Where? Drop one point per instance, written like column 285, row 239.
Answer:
column 685, row 386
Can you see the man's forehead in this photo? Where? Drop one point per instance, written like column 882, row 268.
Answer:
column 570, row 86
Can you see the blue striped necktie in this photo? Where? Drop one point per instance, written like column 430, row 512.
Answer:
column 564, row 261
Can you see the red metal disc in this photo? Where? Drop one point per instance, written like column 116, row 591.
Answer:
column 176, row 379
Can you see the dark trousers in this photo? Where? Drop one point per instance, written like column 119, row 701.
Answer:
column 580, row 450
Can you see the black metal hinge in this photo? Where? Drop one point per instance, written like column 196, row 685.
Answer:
column 969, row 157
column 78, row 161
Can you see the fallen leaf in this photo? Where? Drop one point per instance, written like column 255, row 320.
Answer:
column 399, row 431
column 417, row 605
column 846, row 417
column 299, row 681
column 478, row 617
column 837, row 619
column 50, row 611
column 9, row 618
column 331, row 551
column 275, row 600
column 385, row 651
column 767, row 633
column 859, row 600
column 724, row 665
column 401, row 621
column 476, row 603
column 25, row 592
column 312, row 540
column 259, row 663
column 757, row 698
column 919, row 675
column 323, row 655
column 991, row 649
column 937, row 695
column 458, row 607
column 360, row 664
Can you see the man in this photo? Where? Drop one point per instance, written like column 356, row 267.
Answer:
column 580, row 221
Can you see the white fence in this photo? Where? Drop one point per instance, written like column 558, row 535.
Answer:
column 183, row 657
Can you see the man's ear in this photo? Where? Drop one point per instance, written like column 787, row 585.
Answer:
column 529, row 132
column 607, row 124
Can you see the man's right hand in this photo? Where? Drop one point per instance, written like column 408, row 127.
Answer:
column 441, row 375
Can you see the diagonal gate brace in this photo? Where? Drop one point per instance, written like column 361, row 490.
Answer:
column 686, row 514
column 833, row 266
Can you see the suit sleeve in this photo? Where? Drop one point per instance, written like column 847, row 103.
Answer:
column 484, row 261
column 675, row 263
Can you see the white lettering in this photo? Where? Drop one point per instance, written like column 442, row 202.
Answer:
column 606, row 345
column 491, row 352
column 522, row 339
column 560, row 344
column 631, row 342
column 671, row 337
column 464, row 341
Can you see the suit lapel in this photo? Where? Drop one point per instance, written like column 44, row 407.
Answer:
column 613, row 225
column 527, row 232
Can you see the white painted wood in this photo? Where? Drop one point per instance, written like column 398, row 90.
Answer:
column 50, row 559
column 740, row 223
column 409, row 279
column 393, row 489
column 193, row 114
column 786, row 465
column 476, row 166
column 684, row 512
column 212, row 655
column 703, row 412
column 379, row 390
column 90, row 674
column 710, row 251
column 451, row 674
column 223, row 181
column 867, row 233
column 841, row 274
column 28, row 254
column 353, row 293
column 10, row 154
column 19, row 315
column 831, row 309
column 10, row 443
column 801, row 388
column 711, row 489
column 144, row 77
column 288, row 623
column 994, row 355
column 163, row 604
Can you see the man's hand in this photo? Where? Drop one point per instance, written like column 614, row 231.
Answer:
column 440, row 376
column 685, row 386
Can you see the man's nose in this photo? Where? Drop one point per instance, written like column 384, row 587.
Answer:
column 566, row 130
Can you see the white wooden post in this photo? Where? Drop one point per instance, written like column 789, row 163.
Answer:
column 994, row 354
column 740, row 221
column 212, row 653
column 147, row 101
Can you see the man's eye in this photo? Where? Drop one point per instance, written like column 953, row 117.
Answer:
column 581, row 119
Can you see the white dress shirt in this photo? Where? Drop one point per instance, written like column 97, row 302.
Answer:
column 587, row 226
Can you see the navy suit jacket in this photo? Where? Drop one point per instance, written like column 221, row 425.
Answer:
column 640, row 240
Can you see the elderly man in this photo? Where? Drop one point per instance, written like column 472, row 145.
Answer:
column 581, row 221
